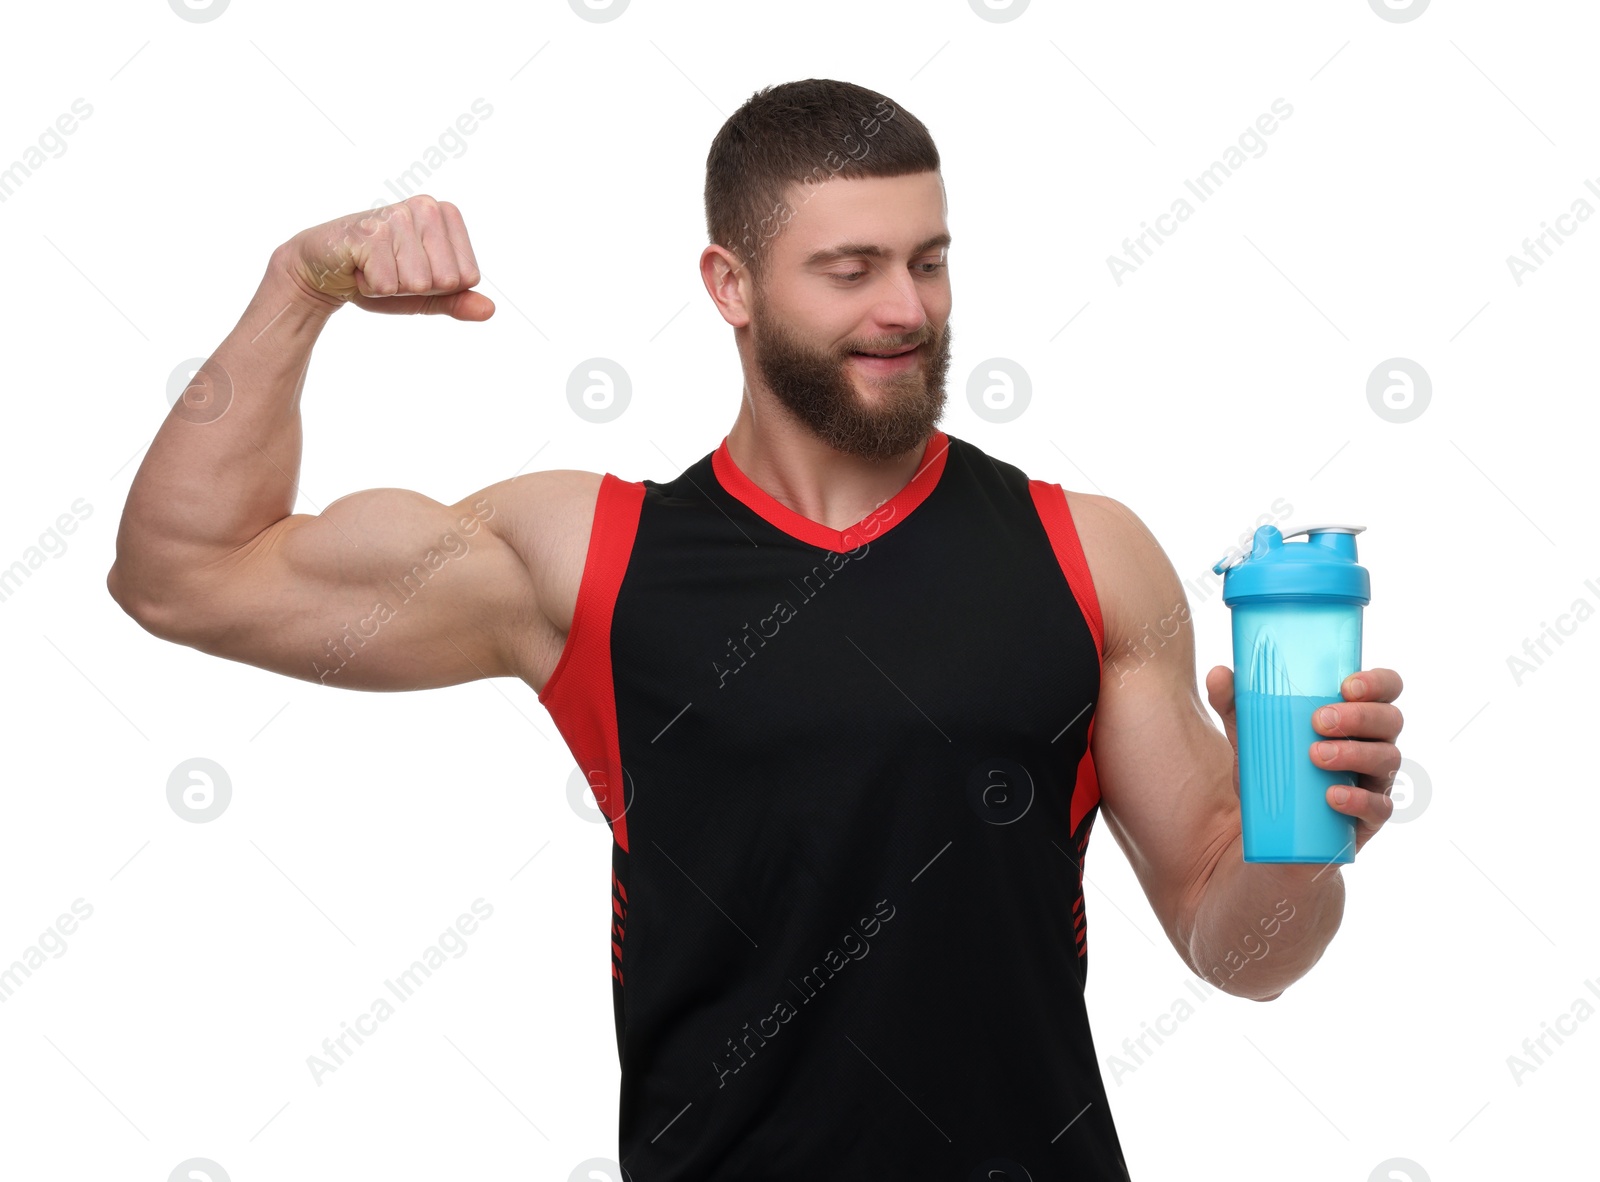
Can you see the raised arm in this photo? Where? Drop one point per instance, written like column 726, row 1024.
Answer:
column 385, row 589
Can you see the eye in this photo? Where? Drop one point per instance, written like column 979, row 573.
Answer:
column 928, row 269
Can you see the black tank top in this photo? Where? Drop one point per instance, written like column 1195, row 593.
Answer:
column 848, row 780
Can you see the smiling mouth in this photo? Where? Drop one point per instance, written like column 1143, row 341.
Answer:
column 896, row 353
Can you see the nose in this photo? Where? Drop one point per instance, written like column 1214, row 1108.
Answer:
column 900, row 309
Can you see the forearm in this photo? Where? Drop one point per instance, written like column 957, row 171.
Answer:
column 224, row 464
column 1260, row 926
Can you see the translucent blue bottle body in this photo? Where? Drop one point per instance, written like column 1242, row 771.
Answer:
column 1290, row 655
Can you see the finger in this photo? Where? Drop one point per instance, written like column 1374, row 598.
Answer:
column 1372, row 685
column 1374, row 760
column 375, row 273
column 414, row 277
column 1359, row 720
column 466, row 259
column 1369, row 808
column 443, row 269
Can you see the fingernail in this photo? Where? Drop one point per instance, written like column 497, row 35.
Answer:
column 1340, row 795
column 1327, row 716
column 1324, row 750
column 1357, row 687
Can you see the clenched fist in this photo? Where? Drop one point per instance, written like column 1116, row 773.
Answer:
column 409, row 257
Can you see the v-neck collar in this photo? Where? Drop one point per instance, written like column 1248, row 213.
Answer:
column 874, row 525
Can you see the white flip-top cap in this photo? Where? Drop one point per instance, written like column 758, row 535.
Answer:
column 1239, row 554
column 1325, row 529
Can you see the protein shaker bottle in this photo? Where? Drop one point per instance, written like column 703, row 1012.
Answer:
column 1296, row 637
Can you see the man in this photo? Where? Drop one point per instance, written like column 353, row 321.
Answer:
column 847, row 689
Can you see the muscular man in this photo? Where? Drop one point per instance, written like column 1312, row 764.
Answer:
column 850, row 692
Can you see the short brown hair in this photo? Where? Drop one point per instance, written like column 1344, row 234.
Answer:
column 802, row 133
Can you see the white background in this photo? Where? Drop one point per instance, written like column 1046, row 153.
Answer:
column 1229, row 371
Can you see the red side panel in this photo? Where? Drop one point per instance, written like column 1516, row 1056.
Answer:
column 1051, row 502
column 1086, row 792
column 579, row 694
column 619, row 897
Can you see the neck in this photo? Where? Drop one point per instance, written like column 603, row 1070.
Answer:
column 817, row 481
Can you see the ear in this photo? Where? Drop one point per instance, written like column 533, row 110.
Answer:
column 728, row 281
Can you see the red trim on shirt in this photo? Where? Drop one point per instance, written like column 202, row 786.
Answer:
column 580, row 694
column 1051, row 502
column 875, row 524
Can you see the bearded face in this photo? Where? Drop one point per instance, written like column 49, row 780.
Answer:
column 873, row 407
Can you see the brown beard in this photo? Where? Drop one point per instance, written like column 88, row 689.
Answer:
column 817, row 388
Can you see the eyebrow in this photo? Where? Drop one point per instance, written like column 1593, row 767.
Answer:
column 868, row 250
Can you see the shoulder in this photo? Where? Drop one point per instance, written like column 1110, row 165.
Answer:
column 549, row 524
column 544, row 519
column 1134, row 579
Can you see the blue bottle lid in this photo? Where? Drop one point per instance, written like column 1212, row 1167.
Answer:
column 1322, row 567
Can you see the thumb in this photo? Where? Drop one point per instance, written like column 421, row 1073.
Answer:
column 1219, row 688
column 459, row 305
column 467, row 305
